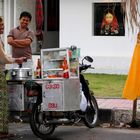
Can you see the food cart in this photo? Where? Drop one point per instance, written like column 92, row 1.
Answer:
column 60, row 75
column 59, row 80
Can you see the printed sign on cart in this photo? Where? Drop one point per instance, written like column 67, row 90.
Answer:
column 52, row 96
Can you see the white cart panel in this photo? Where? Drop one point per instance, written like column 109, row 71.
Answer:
column 61, row 95
column 16, row 97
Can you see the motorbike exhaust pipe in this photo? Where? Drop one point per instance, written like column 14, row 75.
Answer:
column 59, row 121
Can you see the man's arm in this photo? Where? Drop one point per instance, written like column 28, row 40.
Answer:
column 19, row 42
column 22, row 42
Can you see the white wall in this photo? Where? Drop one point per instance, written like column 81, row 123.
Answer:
column 112, row 54
column 1, row 7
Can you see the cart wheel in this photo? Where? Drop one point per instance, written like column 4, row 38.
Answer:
column 91, row 114
column 38, row 124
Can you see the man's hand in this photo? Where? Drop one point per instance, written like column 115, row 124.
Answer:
column 20, row 60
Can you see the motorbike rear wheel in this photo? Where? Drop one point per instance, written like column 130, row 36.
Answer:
column 38, row 124
column 91, row 114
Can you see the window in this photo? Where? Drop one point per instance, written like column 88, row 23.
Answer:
column 108, row 19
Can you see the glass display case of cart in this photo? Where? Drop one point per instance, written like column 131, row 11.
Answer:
column 60, row 63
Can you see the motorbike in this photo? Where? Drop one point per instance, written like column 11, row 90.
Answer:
column 43, row 123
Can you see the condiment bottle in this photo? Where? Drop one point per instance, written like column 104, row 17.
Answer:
column 38, row 69
column 65, row 68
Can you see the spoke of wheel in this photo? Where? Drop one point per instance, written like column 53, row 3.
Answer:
column 38, row 126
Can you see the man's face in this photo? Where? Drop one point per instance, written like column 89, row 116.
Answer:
column 24, row 22
column 1, row 27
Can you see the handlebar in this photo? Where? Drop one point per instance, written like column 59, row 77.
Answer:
column 85, row 67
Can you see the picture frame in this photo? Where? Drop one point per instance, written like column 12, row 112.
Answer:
column 108, row 19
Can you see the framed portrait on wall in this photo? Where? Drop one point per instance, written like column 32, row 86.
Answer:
column 108, row 19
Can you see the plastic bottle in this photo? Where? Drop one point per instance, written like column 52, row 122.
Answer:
column 65, row 68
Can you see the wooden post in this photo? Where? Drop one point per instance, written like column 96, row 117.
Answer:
column 134, row 111
column 134, row 123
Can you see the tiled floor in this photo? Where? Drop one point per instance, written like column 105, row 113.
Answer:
column 106, row 103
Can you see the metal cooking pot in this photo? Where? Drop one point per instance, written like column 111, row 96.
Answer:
column 20, row 73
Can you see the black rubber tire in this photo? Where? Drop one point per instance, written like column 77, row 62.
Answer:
column 91, row 114
column 36, row 125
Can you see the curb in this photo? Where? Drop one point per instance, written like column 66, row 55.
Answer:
column 118, row 117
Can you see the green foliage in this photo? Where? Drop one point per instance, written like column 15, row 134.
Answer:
column 106, row 85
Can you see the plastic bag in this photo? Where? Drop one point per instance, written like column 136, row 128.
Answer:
column 83, row 103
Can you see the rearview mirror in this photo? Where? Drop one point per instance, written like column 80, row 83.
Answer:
column 88, row 58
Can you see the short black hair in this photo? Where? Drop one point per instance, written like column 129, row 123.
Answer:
column 25, row 14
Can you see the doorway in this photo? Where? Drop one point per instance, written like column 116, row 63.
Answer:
column 51, row 24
